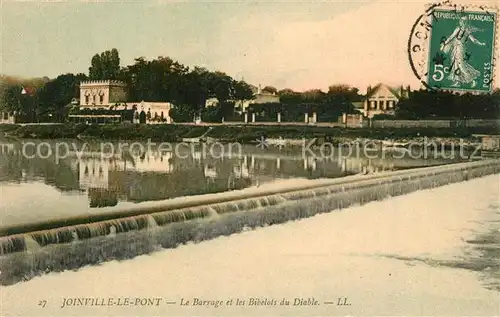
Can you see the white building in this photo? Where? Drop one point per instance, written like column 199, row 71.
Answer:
column 383, row 99
column 154, row 112
column 153, row 161
column 6, row 148
column 112, row 95
column 240, row 169
column 209, row 171
column 94, row 173
column 7, row 117
column 259, row 97
column 102, row 93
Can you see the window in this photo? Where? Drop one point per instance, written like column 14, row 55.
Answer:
column 101, row 99
column 6, row 116
column 86, row 100
column 373, row 104
column 381, row 104
column 95, row 99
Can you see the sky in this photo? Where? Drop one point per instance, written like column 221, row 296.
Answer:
column 287, row 44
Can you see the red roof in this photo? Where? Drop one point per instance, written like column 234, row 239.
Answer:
column 31, row 91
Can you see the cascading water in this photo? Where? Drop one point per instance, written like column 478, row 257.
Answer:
column 73, row 247
column 151, row 222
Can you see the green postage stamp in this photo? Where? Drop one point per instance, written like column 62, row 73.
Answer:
column 461, row 49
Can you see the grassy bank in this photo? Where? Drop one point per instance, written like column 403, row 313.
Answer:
column 243, row 134
column 4, row 128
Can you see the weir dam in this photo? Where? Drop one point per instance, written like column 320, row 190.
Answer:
column 33, row 249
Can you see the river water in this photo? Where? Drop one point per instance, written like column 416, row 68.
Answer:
column 432, row 252
column 64, row 178
column 429, row 253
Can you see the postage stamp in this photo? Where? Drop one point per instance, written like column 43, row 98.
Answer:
column 454, row 48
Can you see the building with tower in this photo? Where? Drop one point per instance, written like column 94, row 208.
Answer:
column 106, row 101
column 102, row 93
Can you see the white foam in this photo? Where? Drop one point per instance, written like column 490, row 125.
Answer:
column 328, row 256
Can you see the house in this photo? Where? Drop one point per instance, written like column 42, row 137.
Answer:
column 259, row 97
column 152, row 112
column 102, row 93
column 9, row 117
column 490, row 145
column 104, row 101
column 382, row 99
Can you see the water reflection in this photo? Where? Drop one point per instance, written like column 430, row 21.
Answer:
column 153, row 175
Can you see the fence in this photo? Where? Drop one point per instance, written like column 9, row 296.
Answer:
column 483, row 123
column 469, row 123
column 410, row 123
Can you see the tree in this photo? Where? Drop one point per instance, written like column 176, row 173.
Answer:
column 220, row 86
column 266, row 111
column 181, row 114
column 408, row 109
column 242, row 91
column 289, row 97
column 95, row 71
column 11, row 98
column 114, row 64
column 197, row 89
column 105, row 65
column 161, row 79
column 349, row 93
column 226, row 110
column 24, row 105
column 424, row 104
column 313, row 96
column 270, row 89
column 55, row 96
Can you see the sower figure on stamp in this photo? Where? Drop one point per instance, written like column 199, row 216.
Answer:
column 461, row 72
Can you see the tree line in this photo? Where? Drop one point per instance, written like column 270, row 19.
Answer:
column 166, row 80
column 424, row 104
column 162, row 80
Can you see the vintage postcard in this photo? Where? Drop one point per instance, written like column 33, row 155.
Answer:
column 249, row 158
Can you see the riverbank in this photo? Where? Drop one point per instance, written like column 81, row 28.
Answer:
column 241, row 134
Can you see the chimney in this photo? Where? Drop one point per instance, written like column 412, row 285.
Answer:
column 259, row 90
column 368, row 90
